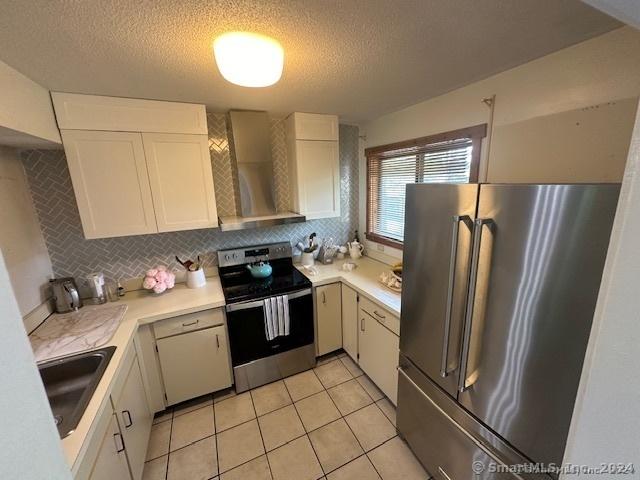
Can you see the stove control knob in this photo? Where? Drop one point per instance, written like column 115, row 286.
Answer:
column 227, row 257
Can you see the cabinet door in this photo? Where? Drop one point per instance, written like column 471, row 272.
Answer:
column 181, row 181
column 328, row 318
column 315, row 126
column 110, row 181
column 111, row 462
column 76, row 111
column 350, row 321
column 318, row 176
column 135, row 420
column 194, row 363
column 378, row 348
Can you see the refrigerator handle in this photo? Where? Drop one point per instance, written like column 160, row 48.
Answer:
column 452, row 275
column 478, row 225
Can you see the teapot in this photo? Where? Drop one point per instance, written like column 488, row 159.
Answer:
column 355, row 249
column 260, row 270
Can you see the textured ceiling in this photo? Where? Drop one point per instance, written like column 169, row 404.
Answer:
column 355, row 58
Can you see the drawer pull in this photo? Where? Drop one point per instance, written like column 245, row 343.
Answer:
column 128, row 419
column 115, row 439
column 362, row 324
column 379, row 315
column 218, row 341
column 191, row 324
column 324, row 298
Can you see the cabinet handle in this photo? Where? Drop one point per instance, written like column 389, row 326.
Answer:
column 190, row 324
column 379, row 315
column 128, row 414
column 444, row 474
column 217, row 341
column 324, row 298
column 115, row 439
column 362, row 324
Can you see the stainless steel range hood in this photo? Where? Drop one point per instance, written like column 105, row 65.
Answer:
column 252, row 149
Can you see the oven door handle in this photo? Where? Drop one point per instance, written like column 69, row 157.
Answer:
column 259, row 303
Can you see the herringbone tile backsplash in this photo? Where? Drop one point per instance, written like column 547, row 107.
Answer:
column 129, row 257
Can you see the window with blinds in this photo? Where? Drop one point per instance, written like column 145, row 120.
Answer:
column 451, row 157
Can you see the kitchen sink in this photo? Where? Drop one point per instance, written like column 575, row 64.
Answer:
column 70, row 383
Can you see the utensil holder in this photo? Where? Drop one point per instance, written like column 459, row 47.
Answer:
column 307, row 259
column 196, row 279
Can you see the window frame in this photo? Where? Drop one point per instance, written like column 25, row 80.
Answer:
column 475, row 133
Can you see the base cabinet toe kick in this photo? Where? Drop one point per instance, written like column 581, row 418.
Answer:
column 426, row 415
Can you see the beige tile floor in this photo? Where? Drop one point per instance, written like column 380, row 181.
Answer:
column 330, row 423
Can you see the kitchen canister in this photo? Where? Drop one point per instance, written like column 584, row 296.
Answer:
column 196, row 278
column 307, row 259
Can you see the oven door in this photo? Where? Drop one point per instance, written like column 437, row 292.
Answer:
column 247, row 336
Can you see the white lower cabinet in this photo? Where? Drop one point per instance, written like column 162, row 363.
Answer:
column 365, row 330
column 350, row 321
column 328, row 318
column 378, row 349
column 135, row 419
column 111, row 462
column 194, row 363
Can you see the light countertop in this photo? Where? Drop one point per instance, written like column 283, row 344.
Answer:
column 363, row 279
column 143, row 308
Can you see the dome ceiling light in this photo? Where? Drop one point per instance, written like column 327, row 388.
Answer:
column 249, row 59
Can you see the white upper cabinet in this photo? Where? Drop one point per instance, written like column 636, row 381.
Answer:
column 314, row 165
column 137, row 166
column 109, row 175
column 314, row 126
column 93, row 112
column 181, row 181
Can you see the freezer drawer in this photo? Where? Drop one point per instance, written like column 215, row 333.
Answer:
column 450, row 444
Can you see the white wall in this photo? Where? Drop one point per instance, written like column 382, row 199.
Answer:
column 26, row 112
column 595, row 72
column 21, row 239
column 30, row 448
column 605, row 426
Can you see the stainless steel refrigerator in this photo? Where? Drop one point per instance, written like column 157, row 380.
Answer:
column 499, row 290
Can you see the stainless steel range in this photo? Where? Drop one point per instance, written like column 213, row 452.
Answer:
column 256, row 359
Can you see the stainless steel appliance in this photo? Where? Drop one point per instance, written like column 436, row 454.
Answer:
column 250, row 139
column 499, row 289
column 257, row 360
column 65, row 294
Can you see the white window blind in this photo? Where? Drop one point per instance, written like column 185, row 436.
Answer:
column 390, row 171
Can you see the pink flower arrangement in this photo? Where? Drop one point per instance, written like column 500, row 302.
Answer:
column 159, row 279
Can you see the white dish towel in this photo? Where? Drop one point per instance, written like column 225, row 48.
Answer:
column 276, row 316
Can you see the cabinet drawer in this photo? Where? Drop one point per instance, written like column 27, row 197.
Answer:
column 189, row 322
column 382, row 315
